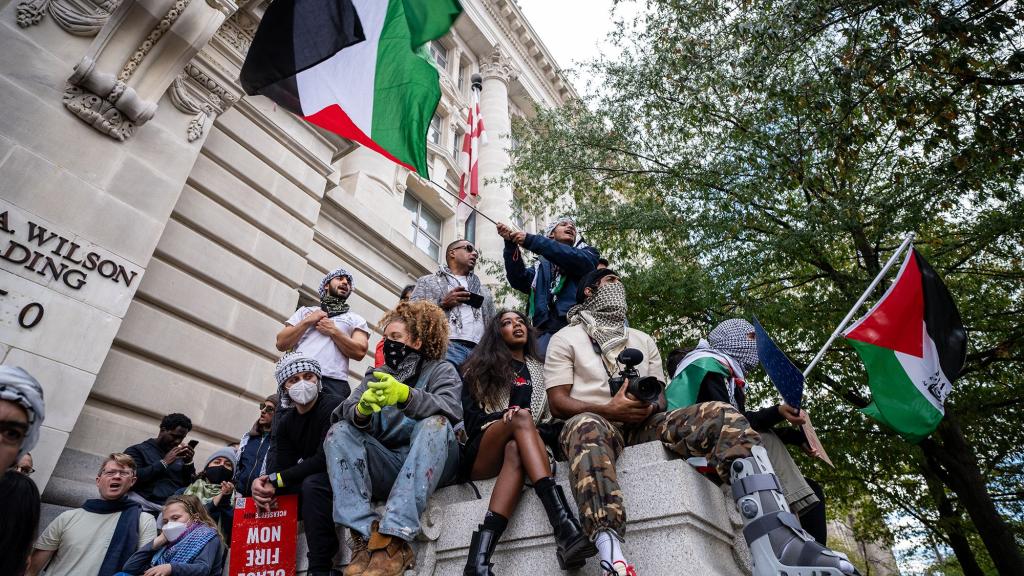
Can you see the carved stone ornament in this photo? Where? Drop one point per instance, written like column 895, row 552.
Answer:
column 497, row 65
column 117, row 84
column 78, row 17
column 195, row 91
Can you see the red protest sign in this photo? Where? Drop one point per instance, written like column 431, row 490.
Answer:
column 263, row 543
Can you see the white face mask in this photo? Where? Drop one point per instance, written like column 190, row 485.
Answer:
column 303, row 392
column 174, row 530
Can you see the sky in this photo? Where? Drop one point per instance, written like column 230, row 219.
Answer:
column 575, row 31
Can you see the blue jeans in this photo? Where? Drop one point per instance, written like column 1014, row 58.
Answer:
column 457, row 353
column 404, row 475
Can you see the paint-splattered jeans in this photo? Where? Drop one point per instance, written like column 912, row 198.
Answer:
column 363, row 470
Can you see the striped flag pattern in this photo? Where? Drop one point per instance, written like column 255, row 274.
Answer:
column 469, row 185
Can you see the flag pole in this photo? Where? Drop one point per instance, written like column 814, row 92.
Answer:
column 860, row 302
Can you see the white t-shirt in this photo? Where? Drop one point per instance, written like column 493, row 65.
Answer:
column 472, row 327
column 320, row 347
column 81, row 540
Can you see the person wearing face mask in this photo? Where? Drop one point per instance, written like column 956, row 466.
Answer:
column 716, row 371
column 329, row 333
column 214, row 488
column 599, row 425
column 102, row 535
column 552, row 283
column 454, row 288
column 296, row 463
column 393, row 440
column 188, row 545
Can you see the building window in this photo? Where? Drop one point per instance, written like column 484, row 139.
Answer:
column 434, row 131
column 462, row 79
column 440, row 55
column 456, row 144
column 424, row 226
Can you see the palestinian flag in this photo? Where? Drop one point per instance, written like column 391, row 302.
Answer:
column 682, row 391
column 357, row 68
column 913, row 345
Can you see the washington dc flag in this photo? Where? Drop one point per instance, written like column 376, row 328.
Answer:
column 913, row 345
column 357, row 68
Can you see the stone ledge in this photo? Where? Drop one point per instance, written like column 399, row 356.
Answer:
column 678, row 522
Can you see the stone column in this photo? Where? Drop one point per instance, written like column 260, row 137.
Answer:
column 495, row 197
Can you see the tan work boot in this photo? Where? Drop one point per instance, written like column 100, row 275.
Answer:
column 389, row 556
column 360, row 554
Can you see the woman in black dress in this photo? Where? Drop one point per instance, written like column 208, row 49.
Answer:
column 508, row 424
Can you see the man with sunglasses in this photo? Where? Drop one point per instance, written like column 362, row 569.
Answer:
column 464, row 299
column 253, row 448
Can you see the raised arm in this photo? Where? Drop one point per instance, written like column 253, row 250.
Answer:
column 518, row 275
column 575, row 261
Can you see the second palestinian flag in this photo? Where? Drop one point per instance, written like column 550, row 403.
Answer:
column 354, row 67
column 913, row 345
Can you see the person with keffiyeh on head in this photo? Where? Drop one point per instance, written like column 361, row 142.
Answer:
column 329, row 333
column 717, row 370
column 552, row 283
column 599, row 424
column 21, row 414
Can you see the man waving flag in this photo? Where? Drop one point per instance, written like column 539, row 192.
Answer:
column 913, row 345
column 354, row 67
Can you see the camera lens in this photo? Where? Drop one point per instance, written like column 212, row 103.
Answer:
column 646, row 389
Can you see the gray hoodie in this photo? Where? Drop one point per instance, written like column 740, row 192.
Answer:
column 437, row 391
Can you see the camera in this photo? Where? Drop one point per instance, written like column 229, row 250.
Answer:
column 646, row 389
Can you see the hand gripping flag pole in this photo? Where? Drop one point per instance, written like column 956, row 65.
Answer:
column 860, row 302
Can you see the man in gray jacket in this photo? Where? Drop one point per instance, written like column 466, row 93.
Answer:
column 467, row 303
column 393, row 440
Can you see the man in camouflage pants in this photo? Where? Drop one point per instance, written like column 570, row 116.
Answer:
column 580, row 359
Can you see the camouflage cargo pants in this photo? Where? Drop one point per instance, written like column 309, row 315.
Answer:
column 592, row 444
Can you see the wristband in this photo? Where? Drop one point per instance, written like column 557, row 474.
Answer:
column 277, row 480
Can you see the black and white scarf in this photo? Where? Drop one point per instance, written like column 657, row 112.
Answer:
column 603, row 317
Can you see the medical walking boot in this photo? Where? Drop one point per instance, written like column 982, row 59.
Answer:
column 777, row 542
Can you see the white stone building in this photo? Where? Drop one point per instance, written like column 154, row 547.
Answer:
column 211, row 215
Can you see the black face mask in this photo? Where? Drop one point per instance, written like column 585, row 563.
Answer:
column 218, row 474
column 395, row 352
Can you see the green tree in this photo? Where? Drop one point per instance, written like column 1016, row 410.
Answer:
column 765, row 158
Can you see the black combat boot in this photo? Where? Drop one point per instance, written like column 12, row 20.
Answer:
column 574, row 547
column 480, row 549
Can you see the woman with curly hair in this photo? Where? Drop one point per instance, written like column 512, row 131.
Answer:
column 508, row 424
column 393, row 440
column 189, row 543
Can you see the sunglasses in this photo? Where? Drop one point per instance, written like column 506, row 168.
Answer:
column 467, row 247
column 265, row 409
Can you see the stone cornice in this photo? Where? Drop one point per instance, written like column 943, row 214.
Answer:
column 520, row 35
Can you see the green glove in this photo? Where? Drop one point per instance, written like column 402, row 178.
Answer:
column 389, row 391
column 368, row 403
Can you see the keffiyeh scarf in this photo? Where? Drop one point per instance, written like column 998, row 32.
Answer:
column 538, row 399
column 731, row 338
column 187, row 547
column 333, row 305
column 603, row 317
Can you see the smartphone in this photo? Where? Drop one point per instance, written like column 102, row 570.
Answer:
column 193, row 443
column 475, row 300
